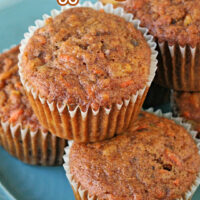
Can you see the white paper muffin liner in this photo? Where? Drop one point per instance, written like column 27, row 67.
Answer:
column 81, row 194
column 176, row 110
column 36, row 147
column 178, row 67
column 32, row 147
column 93, row 125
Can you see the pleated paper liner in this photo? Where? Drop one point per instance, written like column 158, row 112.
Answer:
column 176, row 112
column 32, row 147
column 88, row 125
column 81, row 194
column 36, row 147
column 178, row 67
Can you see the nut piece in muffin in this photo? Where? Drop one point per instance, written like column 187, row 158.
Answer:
column 187, row 105
column 175, row 24
column 30, row 142
column 90, row 59
column 156, row 159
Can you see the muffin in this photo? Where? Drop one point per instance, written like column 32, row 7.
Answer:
column 176, row 26
column 155, row 159
column 20, row 132
column 157, row 96
column 87, row 71
column 187, row 105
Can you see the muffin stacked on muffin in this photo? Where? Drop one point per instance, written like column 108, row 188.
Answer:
column 20, row 132
column 115, row 169
column 87, row 72
column 86, row 77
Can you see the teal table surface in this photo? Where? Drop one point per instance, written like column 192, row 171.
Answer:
column 19, row 181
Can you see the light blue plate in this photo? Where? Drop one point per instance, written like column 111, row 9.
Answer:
column 19, row 181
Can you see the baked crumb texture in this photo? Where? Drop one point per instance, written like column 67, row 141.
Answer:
column 156, row 159
column 20, row 132
column 175, row 24
column 84, row 57
column 87, row 72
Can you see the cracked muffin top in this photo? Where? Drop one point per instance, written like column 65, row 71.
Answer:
column 175, row 21
column 84, row 56
column 14, row 105
column 156, row 159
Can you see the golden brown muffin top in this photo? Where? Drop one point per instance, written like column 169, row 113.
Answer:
column 84, row 56
column 175, row 21
column 14, row 105
column 187, row 105
column 157, row 159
